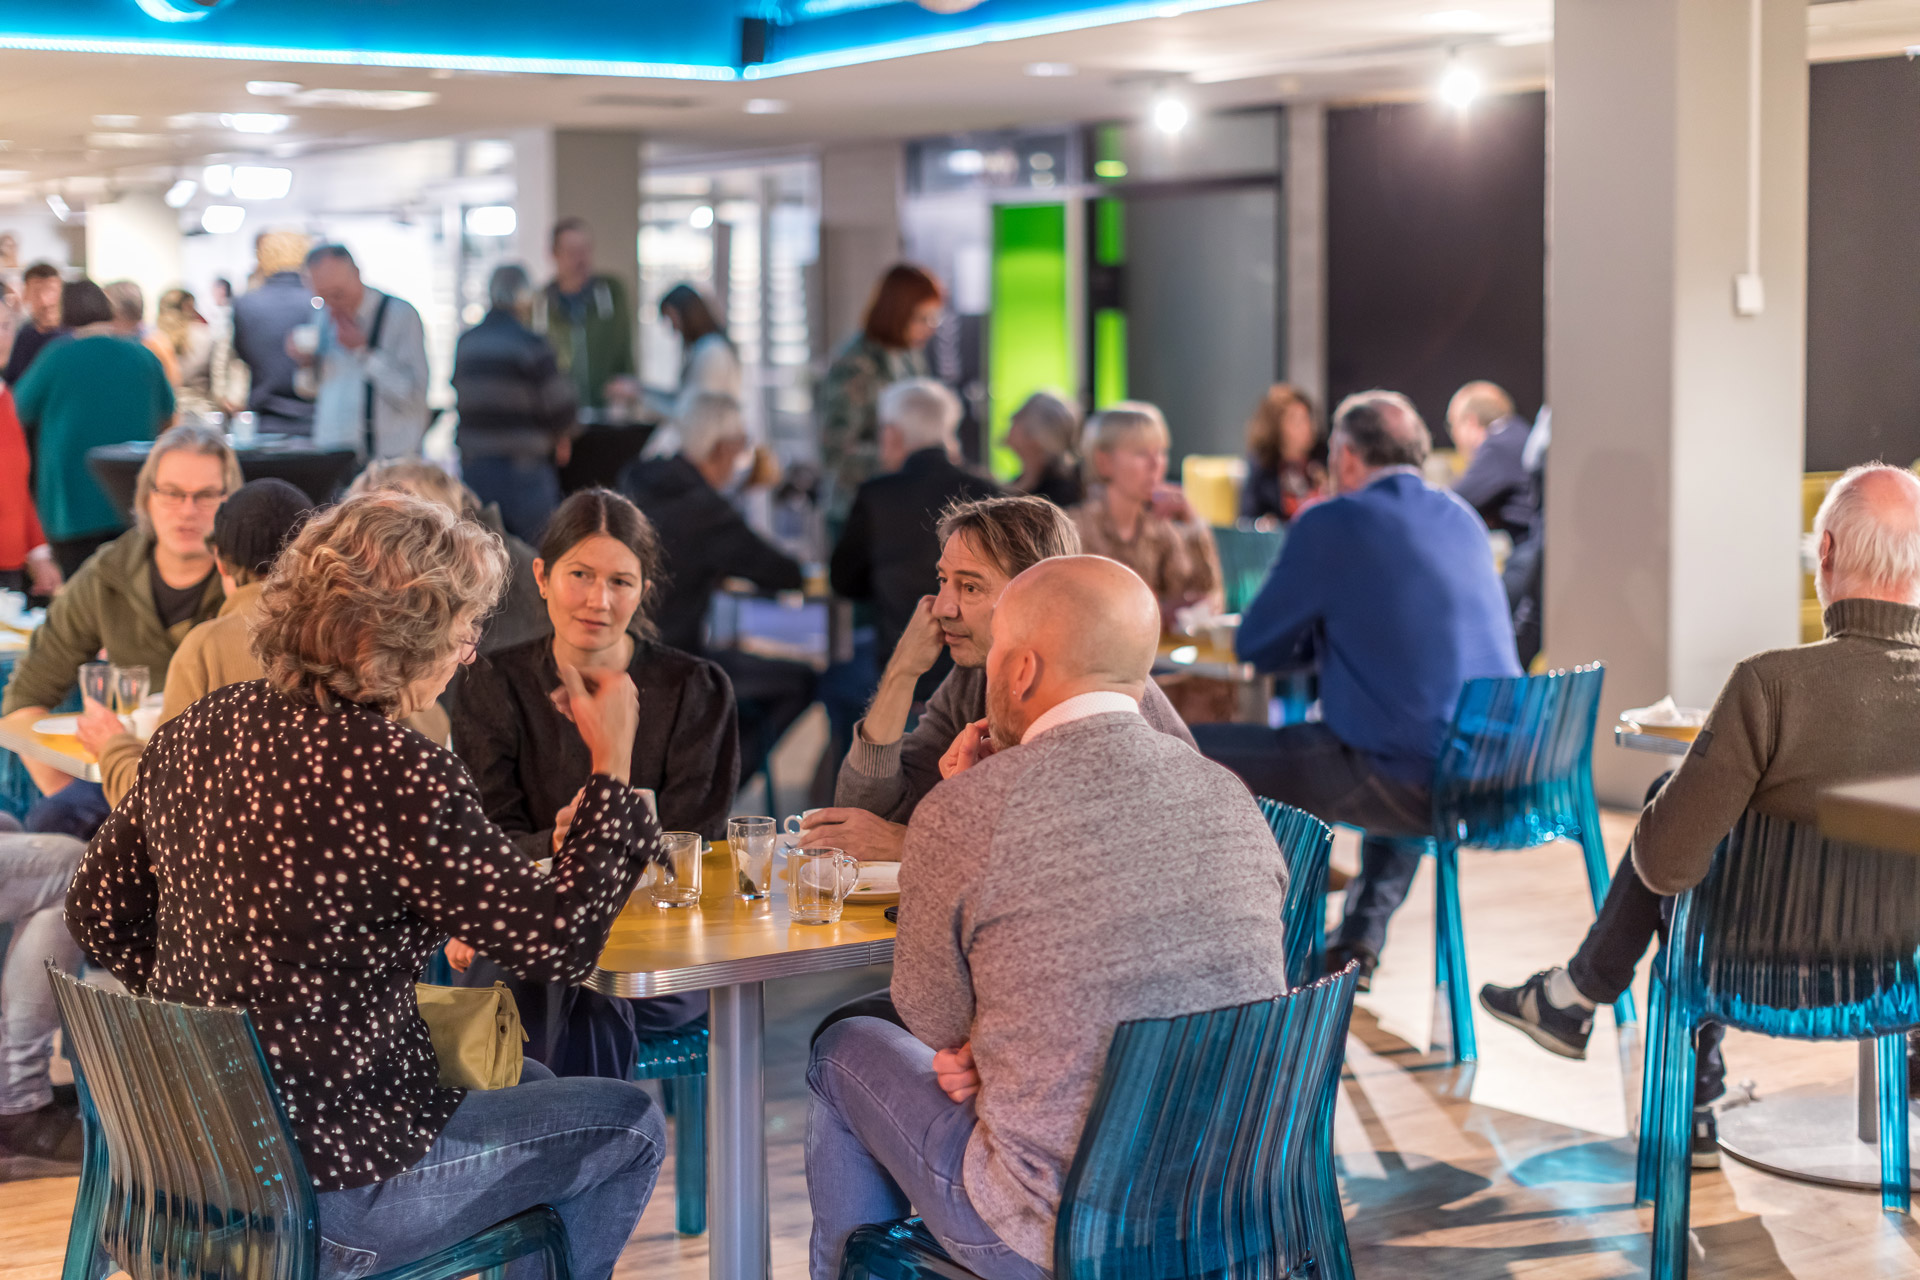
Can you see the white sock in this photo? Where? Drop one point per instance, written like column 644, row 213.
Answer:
column 1563, row 994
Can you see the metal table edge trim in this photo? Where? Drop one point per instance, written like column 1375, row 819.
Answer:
column 729, row 973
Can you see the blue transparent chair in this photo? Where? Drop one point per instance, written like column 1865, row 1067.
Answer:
column 190, row 1171
column 1515, row 771
column 1208, row 1152
column 1789, row 935
column 17, row 792
column 1306, row 843
column 1246, row 557
column 678, row 1060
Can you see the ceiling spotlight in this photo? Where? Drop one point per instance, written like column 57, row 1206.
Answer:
column 222, row 219
column 217, row 179
column 180, row 192
column 1050, row 70
column 701, row 218
column 491, row 220
column 1459, row 86
column 255, row 121
column 261, row 182
column 59, row 207
column 767, row 106
column 272, row 88
column 1170, row 115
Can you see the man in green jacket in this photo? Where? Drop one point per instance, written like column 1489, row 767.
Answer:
column 136, row 598
column 587, row 321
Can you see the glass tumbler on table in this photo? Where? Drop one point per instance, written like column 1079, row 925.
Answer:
column 130, row 686
column 822, row 879
column 751, row 842
column 96, row 683
column 679, row 882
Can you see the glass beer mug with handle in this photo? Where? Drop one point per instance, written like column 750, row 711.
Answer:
column 822, row 879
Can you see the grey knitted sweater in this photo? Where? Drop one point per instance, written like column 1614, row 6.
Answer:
column 1102, row 872
column 890, row 780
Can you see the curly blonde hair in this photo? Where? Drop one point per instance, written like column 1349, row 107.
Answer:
column 372, row 596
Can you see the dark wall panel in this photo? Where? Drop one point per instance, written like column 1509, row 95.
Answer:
column 1436, row 250
column 1863, row 264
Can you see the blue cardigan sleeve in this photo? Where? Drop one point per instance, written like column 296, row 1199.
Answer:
column 1283, row 618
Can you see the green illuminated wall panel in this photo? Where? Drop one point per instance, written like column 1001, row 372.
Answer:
column 1029, row 346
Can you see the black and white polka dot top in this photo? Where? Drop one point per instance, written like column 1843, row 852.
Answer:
column 305, row 863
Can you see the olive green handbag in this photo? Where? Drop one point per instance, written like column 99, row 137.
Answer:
column 476, row 1034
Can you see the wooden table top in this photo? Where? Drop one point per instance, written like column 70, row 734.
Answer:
column 60, row 750
column 727, row 940
column 1884, row 814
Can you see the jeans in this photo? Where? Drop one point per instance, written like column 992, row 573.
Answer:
column 589, row 1148
column 527, row 489
column 34, row 871
column 881, row 1138
column 1308, row 767
column 76, row 810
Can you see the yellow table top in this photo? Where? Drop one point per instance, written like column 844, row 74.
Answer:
column 60, row 750
column 727, row 940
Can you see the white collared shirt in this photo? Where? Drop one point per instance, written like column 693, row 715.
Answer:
column 1079, row 707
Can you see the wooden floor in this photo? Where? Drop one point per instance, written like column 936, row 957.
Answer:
column 1521, row 1167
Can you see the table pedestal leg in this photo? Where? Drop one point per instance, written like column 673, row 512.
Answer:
column 1817, row 1134
column 738, row 1241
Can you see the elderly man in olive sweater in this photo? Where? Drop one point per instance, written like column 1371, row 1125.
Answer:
column 1076, row 869
column 1789, row 724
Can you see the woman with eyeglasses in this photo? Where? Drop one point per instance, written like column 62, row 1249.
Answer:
column 136, row 597
column 337, row 852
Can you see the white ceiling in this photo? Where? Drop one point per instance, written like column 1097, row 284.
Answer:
column 1269, row 51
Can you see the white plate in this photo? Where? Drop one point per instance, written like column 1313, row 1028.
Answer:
column 64, row 725
column 879, row 882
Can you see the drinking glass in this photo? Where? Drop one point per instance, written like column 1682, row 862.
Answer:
column 751, row 841
column 96, row 683
column 822, row 879
column 130, row 685
column 679, row 883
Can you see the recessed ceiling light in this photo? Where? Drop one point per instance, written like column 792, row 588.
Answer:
column 1170, row 115
column 1050, row 70
column 261, row 182
column 116, row 122
column 180, row 192
column 255, row 121
column 1455, row 20
column 701, row 218
column 767, row 106
column 272, row 88
column 218, row 179
column 222, row 219
column 491, row 220
column 1459, row 86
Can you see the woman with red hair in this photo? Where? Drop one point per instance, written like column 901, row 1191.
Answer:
column 890, row 346
column 25, row 558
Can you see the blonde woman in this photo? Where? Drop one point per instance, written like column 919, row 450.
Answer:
column 340, row 850
column 1134, row 516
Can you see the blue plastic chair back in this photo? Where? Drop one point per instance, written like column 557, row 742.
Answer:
column 1208, row 1150
column 1791, row 935
column 1516, row 769
column 191, row 1171
column 1246, row 557
column 1307, row 843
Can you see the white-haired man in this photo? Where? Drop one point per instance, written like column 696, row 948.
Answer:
column 889, row 552
column 1789, row 724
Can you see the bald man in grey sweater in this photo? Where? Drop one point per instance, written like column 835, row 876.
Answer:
column 1076, row 869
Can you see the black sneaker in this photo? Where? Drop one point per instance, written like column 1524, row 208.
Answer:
column 1706, row 1139
column 1557, row 1030
column 1341, row 952
column 51, row 1132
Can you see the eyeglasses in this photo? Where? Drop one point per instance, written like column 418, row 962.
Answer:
column 173, row 497
column 469, row 649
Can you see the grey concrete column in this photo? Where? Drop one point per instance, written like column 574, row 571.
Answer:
column 860, row 191
column 1673, row 484
column 1305, row 180
column 580, row 173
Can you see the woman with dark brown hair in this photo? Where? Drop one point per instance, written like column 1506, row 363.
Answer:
column 598, row 569
column 901, row 320
column 1286, row 456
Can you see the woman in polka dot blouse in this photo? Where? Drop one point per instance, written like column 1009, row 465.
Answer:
column 291, row 847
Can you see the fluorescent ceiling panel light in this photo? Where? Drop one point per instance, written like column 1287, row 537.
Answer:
column 126, row 141
column 116, row 122
column 272, row 88
column 255, row 121
column 1456, row 20
column 966, row 161
column 492, row 220
column 261, row 182
column 364, row 99
column 222, row 219
column 767, row 106
column 180, row 192
column 218, row 179
column 1050, row 70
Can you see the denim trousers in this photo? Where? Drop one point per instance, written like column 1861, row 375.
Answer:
column 589, row 1148
column 76, row 810
column 882, row 1139
column 527, row 489
column 1308, row 767
column 34, row 871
